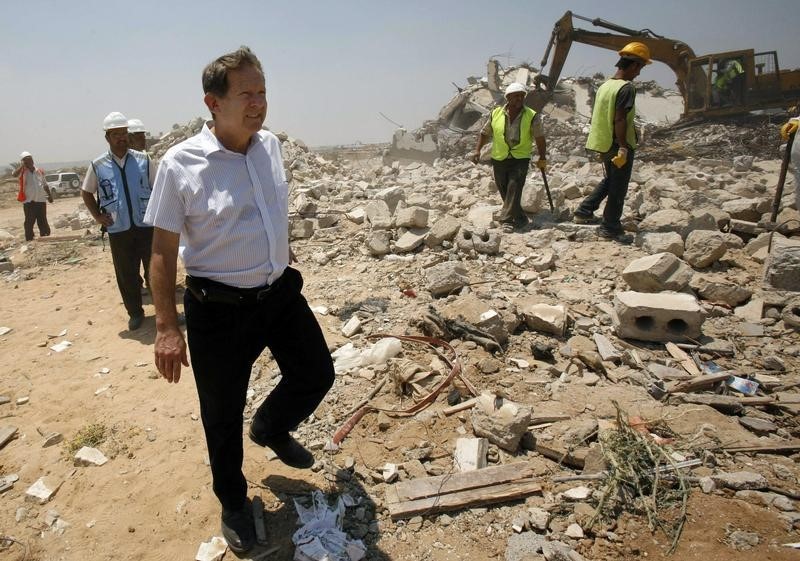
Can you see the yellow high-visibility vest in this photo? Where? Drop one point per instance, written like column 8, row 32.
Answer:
column 501, row 150
column 601, row 135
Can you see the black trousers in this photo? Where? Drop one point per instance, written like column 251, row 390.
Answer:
column 614, row 187
column 130, row 250
column 224, row 341
column 509, row 176
column 35, row 212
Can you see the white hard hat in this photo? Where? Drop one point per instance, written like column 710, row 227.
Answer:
column 136, row 125
column 115, row 120
column 515, row 87
column 25, row 155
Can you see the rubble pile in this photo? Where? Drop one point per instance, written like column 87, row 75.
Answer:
column 501, row 433
column 566, row 116
column 695, row 322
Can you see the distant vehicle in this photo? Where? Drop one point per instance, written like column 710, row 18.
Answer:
column 61, row 184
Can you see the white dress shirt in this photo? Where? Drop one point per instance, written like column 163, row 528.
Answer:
column 231, row 209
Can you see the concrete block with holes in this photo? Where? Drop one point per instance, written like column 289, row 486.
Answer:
column 662, row 316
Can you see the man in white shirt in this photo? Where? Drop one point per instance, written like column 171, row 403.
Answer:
column 34, row 194
column 220, row 200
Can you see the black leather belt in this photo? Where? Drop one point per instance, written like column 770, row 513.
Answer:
column 207, row 290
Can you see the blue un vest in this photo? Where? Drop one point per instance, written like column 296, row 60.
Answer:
column 125, row 191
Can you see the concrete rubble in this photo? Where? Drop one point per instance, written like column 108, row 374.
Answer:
column 550, row 325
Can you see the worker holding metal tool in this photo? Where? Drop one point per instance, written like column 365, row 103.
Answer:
column 513, row 129
column 613, row 136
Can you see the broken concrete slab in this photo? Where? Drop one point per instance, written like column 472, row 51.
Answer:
column 740, row 480
column 42, row 490
column 545, row 318
column 501, row 421
column 704, row 248
column 654, row 273
column 782, row 268
column 88, row 456
column 470, row 454
column 446, row 278
column 717, row 289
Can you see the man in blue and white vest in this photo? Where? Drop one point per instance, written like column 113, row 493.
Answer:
column 116, row 191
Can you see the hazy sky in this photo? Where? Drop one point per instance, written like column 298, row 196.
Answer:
column 331, row 66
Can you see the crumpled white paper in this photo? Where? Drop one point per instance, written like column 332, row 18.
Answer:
column 320, row 538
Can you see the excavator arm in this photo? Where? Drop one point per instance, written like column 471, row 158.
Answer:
column 675, row 54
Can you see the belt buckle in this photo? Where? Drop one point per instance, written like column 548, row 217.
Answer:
column 263, row 293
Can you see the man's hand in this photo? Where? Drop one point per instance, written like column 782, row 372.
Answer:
column 170, row 351
column 621, row 158
column 475, row 158
column 789, row 129
column 541, row 163
column 105, row 219
column 50, row 198
column 292, row 256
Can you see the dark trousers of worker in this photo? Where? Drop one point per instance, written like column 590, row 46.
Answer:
column 509, row 176
column 224, row 342
column 613, row 188
column 130, row 250
column 35, row 212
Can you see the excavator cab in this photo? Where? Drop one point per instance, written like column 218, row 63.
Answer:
column 735, row 82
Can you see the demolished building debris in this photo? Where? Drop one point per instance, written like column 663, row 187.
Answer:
column 694, row 328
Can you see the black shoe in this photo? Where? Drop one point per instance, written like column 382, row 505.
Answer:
column 238, row 529
column 135, row 322
column 288, row 450
column 619, row 237
column 584, row 218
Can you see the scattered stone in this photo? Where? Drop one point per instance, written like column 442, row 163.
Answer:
column 654, row 273
column 41, row 491
column 501, row 421
column 740, row 480
column 88, row 456
column 704, row 248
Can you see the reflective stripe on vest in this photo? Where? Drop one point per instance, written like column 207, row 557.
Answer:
column 501, row 150
column 601, row 134
column 111, row 189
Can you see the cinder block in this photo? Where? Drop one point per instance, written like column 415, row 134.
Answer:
column 663, row 316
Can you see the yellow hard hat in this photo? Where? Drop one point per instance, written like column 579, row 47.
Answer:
column 638, row 50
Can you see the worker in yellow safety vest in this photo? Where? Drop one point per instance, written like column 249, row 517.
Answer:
column 727, row 88
column 613, row 136
column 513, row 128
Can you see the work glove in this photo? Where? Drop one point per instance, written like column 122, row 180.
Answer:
column 541, row 163
column 621, row 158
column 789, row 129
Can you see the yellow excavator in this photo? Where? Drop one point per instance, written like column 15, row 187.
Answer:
column 713, row 85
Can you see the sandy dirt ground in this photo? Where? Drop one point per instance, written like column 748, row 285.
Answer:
column 153, row 499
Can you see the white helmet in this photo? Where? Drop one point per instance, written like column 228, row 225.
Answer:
column 136, row 125
column 515, row 87
column 115, row 120
column 24, row 155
